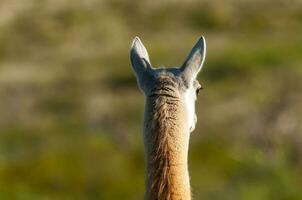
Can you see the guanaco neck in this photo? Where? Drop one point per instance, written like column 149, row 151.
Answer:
column 166, row 143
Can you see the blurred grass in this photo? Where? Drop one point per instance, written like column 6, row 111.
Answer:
column 70, row 110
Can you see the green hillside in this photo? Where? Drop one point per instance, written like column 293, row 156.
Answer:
column 71, row 112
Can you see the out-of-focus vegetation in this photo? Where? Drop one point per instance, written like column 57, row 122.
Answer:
column 70, row 110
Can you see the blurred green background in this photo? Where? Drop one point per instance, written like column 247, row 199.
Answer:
column 71, row 113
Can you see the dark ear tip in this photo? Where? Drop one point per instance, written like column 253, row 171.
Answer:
column 202, row 41
column 201, row 44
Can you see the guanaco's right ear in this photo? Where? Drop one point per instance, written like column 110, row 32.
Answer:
column 194, row 61
column 139, row 58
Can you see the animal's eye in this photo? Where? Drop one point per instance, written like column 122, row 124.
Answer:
column 198, row 89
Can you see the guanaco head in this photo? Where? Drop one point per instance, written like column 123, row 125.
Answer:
column 174, row 82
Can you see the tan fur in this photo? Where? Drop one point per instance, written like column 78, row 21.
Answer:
column 166, row 143
column 169, row 118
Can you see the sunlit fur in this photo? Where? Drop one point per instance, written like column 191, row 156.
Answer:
column 170, row 95
column 166, row 138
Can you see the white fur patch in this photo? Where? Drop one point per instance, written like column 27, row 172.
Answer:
column 190, row 98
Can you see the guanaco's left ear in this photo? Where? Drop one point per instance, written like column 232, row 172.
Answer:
column 139, row 58
column 194, row 61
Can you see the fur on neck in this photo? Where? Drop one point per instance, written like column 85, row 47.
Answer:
column 166, row 147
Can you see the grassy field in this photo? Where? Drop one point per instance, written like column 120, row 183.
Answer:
column 70, row 109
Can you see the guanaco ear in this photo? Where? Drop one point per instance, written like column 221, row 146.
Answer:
column 139, row 58
column 194, row 61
